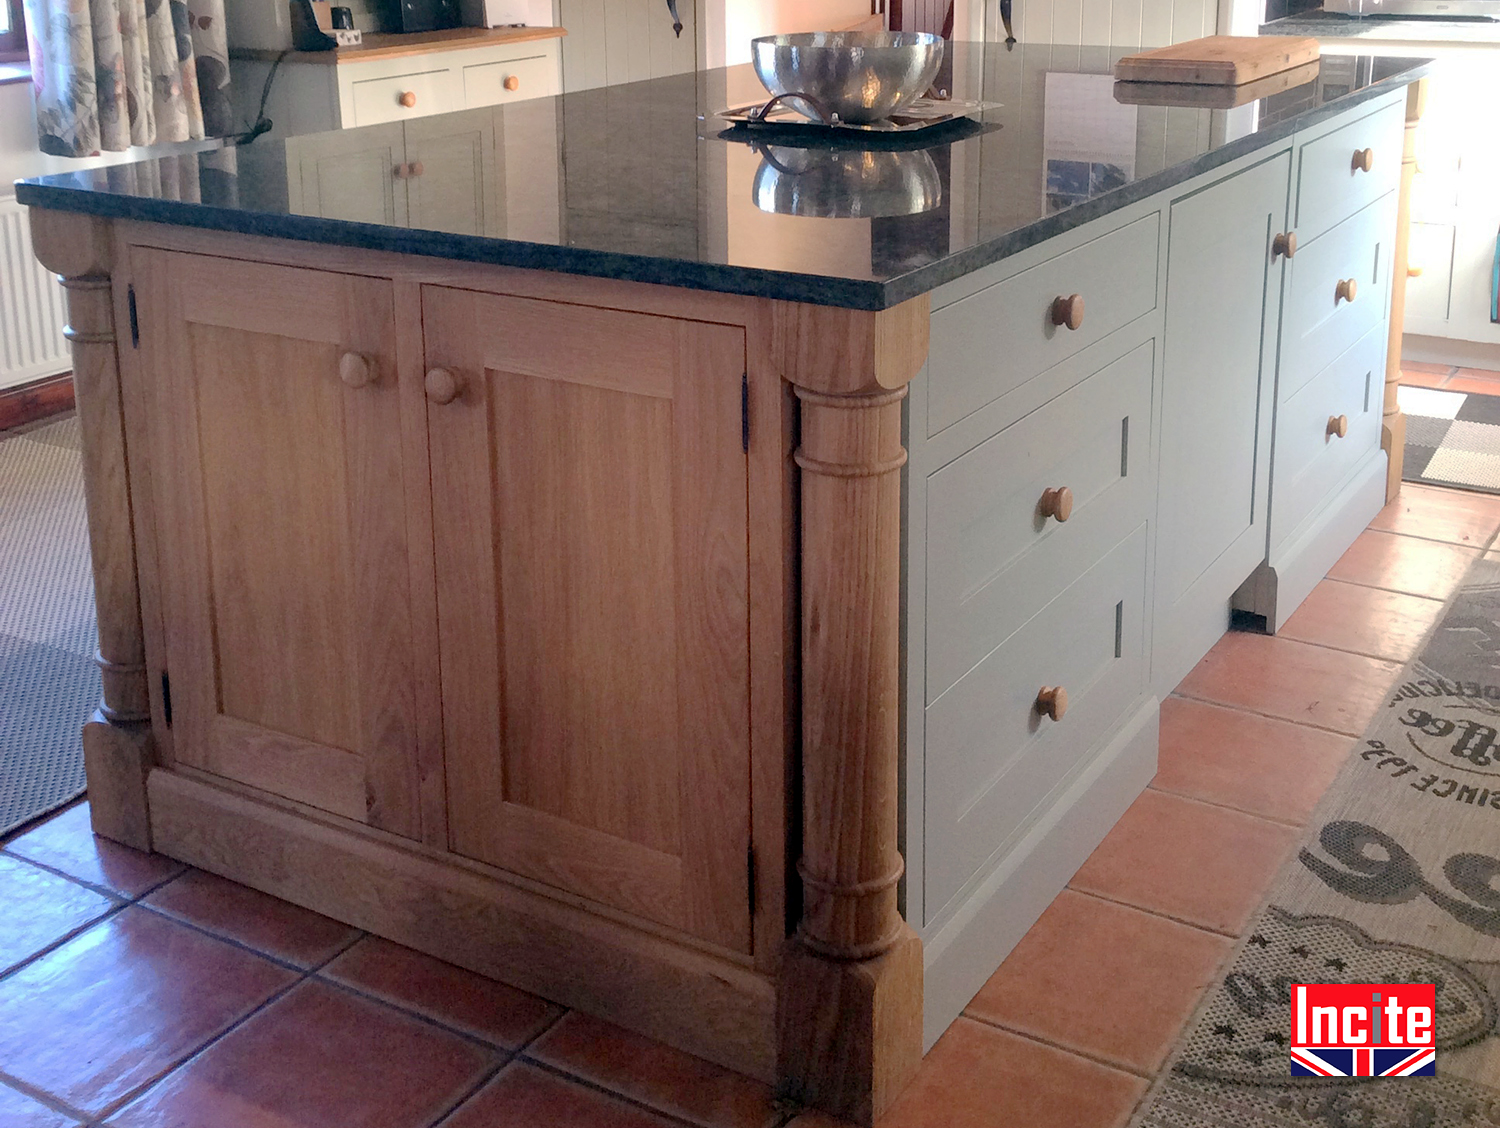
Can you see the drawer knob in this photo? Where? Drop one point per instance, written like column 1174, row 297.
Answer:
column 1056, row 502
column 407, row 98
column 1284, row 244
column 401, row 172
column 1414, row 272
column 1068, row 311
column 415, row 168
column 442, row 386
column 354, row 370
column 1364, row 160
column 512, row 82
column 1345, row 291
column 1338, row 426
column 1052, row 701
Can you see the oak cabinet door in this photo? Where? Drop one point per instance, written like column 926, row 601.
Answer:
column 280, row 493
column 590, row 528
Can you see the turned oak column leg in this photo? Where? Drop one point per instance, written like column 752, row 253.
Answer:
column 849, row 1007
column 117, row 743
column 1393, row 425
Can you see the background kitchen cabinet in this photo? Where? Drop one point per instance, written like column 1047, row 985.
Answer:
column 349, row 175
column 452, row 179
column 285, row 499
column 591, row 528
column 614, row 41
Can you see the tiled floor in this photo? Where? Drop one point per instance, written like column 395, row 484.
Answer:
column 137, row 994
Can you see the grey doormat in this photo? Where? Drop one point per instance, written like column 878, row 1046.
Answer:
column 48, row 681
column 1452, row 438
column 1395, row 882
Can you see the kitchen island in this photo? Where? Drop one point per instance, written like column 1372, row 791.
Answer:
column 723, row 588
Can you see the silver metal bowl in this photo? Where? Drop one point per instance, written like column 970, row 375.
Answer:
column 846, row 184
column 860, row 76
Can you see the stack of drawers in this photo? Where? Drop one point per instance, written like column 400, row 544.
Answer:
column 1330, row 379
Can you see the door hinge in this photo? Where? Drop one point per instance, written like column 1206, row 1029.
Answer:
column 745, row 412
column 750, row 876
column 166, row 698
column 135, row 324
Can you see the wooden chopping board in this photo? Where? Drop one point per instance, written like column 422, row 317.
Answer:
column 1219, row 60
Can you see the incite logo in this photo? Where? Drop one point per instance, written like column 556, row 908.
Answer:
column 1363, row 1030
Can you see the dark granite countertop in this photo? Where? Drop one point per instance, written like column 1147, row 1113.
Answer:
column 1396, row 30
column 631, row 182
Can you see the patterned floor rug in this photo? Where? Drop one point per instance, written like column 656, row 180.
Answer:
column 1395, row 883
column 48, row 681
column 1452, row 438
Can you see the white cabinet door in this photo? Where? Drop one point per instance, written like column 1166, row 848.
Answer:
column 1218, row 380
column 353, row 176
column 615, row 41
column 452, row 181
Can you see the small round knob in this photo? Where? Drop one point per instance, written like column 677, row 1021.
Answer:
column 1056, row 502
column 354, row 370
column 512, row 82
column 415, row 168
column 1068, row 311
column 1345, row 290
column 442, row 385
column 402, row 171
column 407, row 98
column 1364, row 159
column 1284, row 244
column 1414, row 272
column 1338, row 426
column 1052, row 701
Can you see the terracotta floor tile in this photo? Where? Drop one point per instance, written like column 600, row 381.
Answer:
column 66, row 843
column 320, row 1056
column 254, row 919
column 654, row 1074
column 1423, row 366
column 1407, row 564
column 1436, row 513
column 1413, row 379
column 1266, row 767
column 1103, row 979
column 980, row 1077
column 1473, row 380
column 1205, row 865
column 1308, row 684
column 1382, row 624
column 444, row 993
column 524, row 1096
column 40, row 908
column 19, row 1111
column 114, row 1007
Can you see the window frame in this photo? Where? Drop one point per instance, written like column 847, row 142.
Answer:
column 13, row 42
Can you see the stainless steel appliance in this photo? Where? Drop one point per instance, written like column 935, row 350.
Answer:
column 1442, row 9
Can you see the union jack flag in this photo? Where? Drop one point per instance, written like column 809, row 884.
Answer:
column 1321, row 1062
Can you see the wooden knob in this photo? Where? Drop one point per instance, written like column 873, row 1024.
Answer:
column 354, row 370
column 1052, row 701
column 512, row 82
column 1345, row 291
column 415, row 168
column 1056, row 502
column 1364, row 160
column 1414, row 272
column 1068, row 311
column 442, row 385
column 402, row 171
column 1284, row 244
column 1338, row 426
column 408, row 98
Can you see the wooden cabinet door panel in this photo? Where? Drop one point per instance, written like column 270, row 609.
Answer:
column 281, row 495
column 589, row 492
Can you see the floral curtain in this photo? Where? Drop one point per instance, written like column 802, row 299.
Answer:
column 110, row 74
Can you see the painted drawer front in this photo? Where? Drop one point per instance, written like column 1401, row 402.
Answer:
column 1317, row 324
column 994, row 341
column 992, row 557
column 992, row 759
column 484, row 84
column 1309, row 461
column 378, row 100
column 1330, row 187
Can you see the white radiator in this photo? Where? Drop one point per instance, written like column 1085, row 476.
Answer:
column 32, row 315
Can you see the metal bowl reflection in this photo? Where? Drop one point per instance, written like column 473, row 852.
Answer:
column 845, row 183
column 862, row 76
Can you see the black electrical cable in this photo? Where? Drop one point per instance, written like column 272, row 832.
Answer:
column 262, row 124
